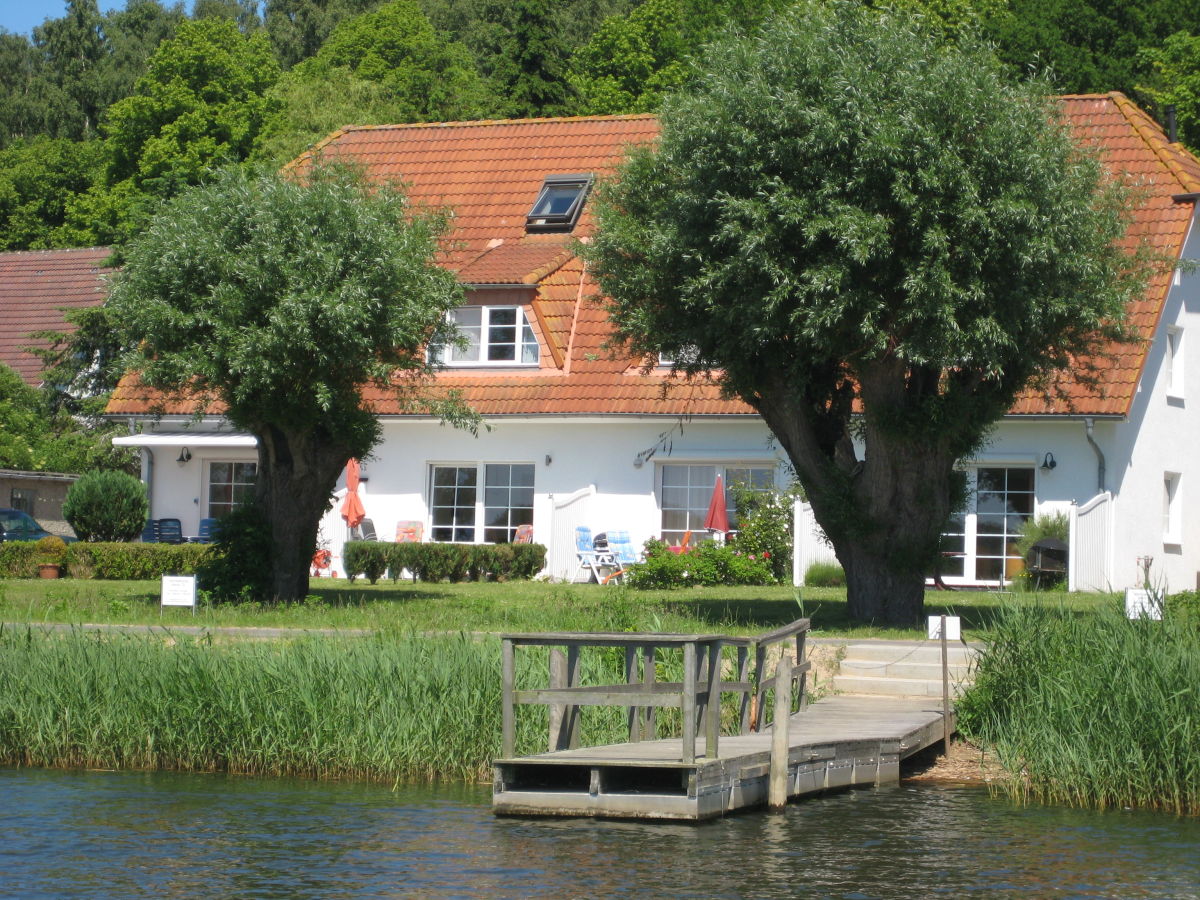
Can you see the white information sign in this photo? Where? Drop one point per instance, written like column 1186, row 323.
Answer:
column 1140, row 604
column 953, row 628
column 179, row 590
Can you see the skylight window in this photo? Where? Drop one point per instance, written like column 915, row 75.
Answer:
column 559, row 203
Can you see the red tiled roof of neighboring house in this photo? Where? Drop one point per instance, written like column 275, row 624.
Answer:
column 489, row 173
column 35, row 287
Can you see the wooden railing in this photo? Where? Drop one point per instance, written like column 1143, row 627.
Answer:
column 697, row 696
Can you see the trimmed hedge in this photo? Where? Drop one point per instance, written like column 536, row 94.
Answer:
column 112, row 561
column 435, row 562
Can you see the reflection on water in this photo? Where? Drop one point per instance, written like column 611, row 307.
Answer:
column 101, row 835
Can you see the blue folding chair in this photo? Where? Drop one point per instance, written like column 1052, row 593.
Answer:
column 150, row 532
column 170, row 531
column 621, row 553
column 208, row 531
column 589, row 558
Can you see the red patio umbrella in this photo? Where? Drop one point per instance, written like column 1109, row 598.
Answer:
column 717, row 518
column 352, row 508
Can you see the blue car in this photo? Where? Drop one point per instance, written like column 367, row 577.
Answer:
column 19, row 526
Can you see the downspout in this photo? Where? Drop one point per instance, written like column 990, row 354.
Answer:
column 1089, row 423
column 148, row 479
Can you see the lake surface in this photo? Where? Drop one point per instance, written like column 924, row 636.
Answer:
column 122, row 835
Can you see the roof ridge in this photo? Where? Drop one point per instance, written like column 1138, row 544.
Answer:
column 54, row 250
column 479, row 123
column 1156, row 140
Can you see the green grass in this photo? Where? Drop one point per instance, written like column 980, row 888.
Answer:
column 492, row 607
column 1091, row 710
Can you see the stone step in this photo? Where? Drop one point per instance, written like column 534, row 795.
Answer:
column 929, row 671
column 892, row 687
column 923, row 652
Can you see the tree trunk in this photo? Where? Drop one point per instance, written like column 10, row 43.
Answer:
column 297, row 473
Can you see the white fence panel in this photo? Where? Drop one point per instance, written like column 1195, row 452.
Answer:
column 1089, row 565
column 568, row 511
column 808, row 543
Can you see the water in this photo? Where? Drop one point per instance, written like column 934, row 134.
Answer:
column 120, row 835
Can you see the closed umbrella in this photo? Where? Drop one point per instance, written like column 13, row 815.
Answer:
column 352, row 508
column 717, row 518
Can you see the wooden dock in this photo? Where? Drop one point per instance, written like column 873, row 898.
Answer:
column 834, row 743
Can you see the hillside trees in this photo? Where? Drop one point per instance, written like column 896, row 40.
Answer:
column 282, row 301
column 877, row 239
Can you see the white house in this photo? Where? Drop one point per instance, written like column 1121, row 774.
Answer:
column 578, row 436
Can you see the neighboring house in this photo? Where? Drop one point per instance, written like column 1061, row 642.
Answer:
column 40, row 494
column 580, row 436
column 36, row 286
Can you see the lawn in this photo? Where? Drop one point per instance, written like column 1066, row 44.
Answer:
column 492, row 607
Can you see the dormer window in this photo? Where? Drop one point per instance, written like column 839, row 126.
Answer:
column 496, row 336
column 559, row 203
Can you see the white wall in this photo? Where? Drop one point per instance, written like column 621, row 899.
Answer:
column 181, row 491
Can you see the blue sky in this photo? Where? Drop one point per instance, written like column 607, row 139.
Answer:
column 20, row 16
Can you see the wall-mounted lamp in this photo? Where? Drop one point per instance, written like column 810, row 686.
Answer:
column 1048, row 462
column 184, row 456
column 549, row 459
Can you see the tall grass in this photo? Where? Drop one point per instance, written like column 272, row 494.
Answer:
column 1091, row 710
column 408, row 708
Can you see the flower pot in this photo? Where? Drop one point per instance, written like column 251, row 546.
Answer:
column 48, row 570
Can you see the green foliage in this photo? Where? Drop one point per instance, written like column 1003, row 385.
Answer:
column 708, row 563
column 764, row 525
column 434, row 562
column 1174, row 80
column 524, row 58
column 125, row 561
column 1090, row 710
column 1056, row 525
column 50, row 550
column 35, row 437
column 106, row 506
column 824, row 575
column 239, row 565
column 18, row 559
column 902, row 297
column 427, row 78
column 298, row 28
column 39, row 177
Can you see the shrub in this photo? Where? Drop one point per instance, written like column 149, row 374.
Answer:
column 239, row 565
column 708, row 563
column 18, row 559
column 528, row 560
column 451, row 562
column 129, row 562
column 764, row 522
column 401, row 557
column 50, row 550
column 106, row 506
column 825, row 575
column 369, row 558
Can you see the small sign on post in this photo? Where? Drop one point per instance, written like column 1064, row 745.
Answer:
column 179, row 590
column 953, row 628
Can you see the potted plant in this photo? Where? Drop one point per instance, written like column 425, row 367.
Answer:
column 50, row 551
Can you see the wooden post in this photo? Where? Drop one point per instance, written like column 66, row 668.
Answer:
column 688, row 702
column 649, row 676
column 803, row 688
column 777, row 790
column 946, row 689
column 558, row 737
column 633, row 714
column 572, row 712
column 743, row 669
column 712, row 706
column 508, row 726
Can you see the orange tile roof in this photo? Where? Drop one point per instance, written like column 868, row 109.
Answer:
column 1135, row 149
column 35, row 287
column 488, row 174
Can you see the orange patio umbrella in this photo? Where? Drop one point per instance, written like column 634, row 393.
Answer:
column 352, row 508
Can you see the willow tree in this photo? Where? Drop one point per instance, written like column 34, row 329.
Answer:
column 281, row 301
column 876, row 239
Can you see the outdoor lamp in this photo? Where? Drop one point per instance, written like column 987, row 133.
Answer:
column 184, row 456
column 1049, row 462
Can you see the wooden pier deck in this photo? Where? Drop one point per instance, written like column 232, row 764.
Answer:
column 834, row 743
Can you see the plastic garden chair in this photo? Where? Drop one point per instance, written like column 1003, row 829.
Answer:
column 622, row 555
column 589, row 558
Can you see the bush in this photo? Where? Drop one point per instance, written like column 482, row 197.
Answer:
column 106, row 506
column 708, row 563
column 50, row 550
column 825, row 575
column 369, row 558
column 443, row 562
column 764, row 523
column 239, row 565
column 134, row 562
column 18, row 559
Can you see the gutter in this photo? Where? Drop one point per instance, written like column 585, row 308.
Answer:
column 1088, row 424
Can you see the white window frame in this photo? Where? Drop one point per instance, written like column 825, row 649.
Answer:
column 970, row 554
column 479, row 526
column 673, row 535
column 524, row 338
column 1174, row 362
column 1172, row 508
column 208, row 484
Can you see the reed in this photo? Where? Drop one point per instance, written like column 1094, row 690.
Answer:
column 390, row 708
column 1091, row 710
